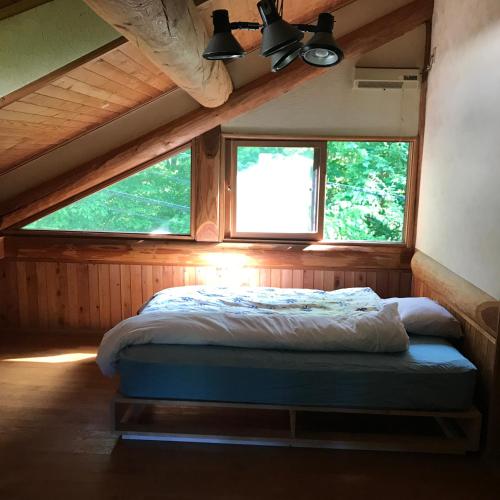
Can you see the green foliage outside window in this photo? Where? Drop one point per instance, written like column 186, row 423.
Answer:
column 365, row 191
column 364, row 196
column 155, row 200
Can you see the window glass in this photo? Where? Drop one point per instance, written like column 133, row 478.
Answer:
column 276, row 190
column 365, row 191
column 155, row 200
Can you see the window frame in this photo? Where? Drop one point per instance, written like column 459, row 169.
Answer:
column 113, row 180
column 234, row 140
column 230, row 232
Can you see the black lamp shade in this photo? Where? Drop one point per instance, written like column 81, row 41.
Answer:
column 322, row 50
column 276, row 33
column 222, row 45
column 284, row 57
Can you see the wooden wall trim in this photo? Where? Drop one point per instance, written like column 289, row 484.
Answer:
column 56, row 192
column 480, row 307
column 412, row 236
column 207, row 170
column 189, row 253
column 493, row 443
column 54, row 75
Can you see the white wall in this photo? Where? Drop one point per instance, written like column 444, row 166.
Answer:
column 329, row 105
column 459, row 214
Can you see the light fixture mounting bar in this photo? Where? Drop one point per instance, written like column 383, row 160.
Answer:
column 244, row 25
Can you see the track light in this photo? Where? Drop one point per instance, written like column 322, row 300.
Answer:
column 280, row 40
column 322, row 50
column 222, row 45
column 276, row 33
column 284, row 57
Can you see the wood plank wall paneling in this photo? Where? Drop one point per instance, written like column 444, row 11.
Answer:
column 77, row 297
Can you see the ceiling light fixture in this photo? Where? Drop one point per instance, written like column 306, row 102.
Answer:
column 321, row 49
column 280, row 40
column 222, row 45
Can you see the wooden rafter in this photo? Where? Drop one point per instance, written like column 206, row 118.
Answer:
column 88, row 177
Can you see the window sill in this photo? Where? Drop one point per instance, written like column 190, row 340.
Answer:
column 50, row 233
column 187, row 252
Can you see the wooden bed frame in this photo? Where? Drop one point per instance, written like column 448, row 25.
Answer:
column 325, row 427
column 297, row 426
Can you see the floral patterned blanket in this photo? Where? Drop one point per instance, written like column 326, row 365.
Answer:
column 270, row 301
column 352, row 319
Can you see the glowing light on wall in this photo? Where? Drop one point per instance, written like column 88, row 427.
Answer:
column 232, row 269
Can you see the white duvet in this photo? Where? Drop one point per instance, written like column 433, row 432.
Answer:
column 352, row 319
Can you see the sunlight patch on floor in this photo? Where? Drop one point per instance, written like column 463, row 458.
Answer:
column 59, row 358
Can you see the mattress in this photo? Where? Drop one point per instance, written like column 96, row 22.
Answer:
column 431, row 375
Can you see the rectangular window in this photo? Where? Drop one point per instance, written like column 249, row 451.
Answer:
column 275, row 189
column 365, row 195
column 325, row 190
column 156, row 200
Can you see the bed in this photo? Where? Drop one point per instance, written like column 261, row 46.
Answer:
column 431, row 375
column 421, row 379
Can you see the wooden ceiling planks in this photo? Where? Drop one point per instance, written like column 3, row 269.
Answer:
column 76, row 102
column 109, row 85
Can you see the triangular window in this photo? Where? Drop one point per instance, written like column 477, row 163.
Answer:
column 156, row 200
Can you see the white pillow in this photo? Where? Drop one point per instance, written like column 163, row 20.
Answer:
column 423, row 316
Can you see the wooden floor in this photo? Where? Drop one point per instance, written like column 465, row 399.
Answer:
column 55, row 443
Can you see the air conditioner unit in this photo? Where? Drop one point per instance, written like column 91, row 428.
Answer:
column 386, row 79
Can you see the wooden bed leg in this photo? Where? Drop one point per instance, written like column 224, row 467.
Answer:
column 471, row 427
column 123, row 413
column 293, row 421
column 448, row 427
column 117, row 411
column 132, row 413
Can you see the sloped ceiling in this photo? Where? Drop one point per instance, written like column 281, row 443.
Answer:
column 102, row 89
column 125, row 96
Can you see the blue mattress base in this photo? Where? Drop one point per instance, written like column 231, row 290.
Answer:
column 431, row 375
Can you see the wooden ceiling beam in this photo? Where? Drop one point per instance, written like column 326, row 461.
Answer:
column 88, row 177
column 171, row 33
